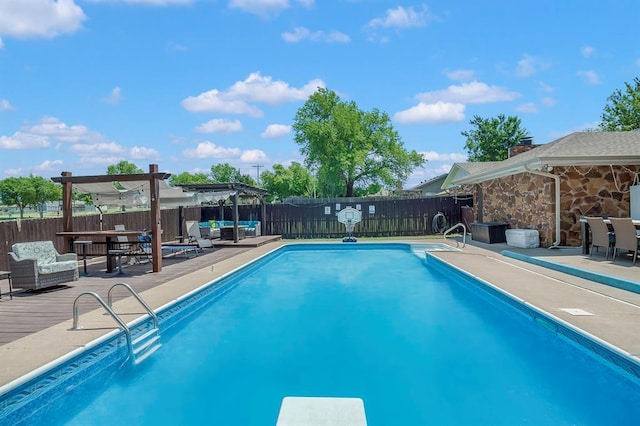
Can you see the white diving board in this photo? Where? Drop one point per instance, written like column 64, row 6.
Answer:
column 321, row 411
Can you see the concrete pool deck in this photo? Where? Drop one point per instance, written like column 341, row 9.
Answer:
column 615, row 319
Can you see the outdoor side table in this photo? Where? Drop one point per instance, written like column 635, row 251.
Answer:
column 7, row 275
column 84, row 245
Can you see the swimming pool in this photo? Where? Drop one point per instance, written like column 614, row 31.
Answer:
column 419, row 345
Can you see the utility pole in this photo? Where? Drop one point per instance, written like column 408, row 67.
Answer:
column 257, row 166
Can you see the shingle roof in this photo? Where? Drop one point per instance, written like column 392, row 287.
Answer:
column 580, row 148
column 594, row 146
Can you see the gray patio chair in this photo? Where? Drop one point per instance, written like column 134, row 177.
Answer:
column 600, row 235
column 626, row 236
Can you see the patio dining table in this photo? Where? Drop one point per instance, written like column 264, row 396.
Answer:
column 585, row 231
column 110, row 237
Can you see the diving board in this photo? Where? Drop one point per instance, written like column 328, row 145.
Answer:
column 316, row 411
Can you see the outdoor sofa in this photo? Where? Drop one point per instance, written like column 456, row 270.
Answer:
column 37, row 264
column 252, row 227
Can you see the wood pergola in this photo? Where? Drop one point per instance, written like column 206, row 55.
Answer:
column 153, row 177
column 238, row 189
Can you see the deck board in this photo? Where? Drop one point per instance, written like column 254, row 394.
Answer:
column 30, row 312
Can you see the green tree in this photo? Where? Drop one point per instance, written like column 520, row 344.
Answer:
column 285, row 182
column 188, row 178
column 349, row 147
column 225, row 172
column 123, row 168
column 622, row 113
column 491, row 138
column 33, row 191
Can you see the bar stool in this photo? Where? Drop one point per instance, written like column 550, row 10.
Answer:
column 7, row 275
column 118, row 253
column 84, row 245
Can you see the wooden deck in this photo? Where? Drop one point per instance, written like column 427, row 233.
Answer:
column 30, row 312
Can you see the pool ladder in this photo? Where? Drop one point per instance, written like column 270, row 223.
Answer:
column 464, row 233
column 142, row 346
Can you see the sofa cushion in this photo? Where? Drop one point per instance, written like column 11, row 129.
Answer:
column 67, row 265
column 42, row 251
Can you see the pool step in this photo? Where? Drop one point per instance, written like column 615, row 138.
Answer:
column 145, row 345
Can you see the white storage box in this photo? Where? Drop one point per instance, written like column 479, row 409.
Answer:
column 523, row 238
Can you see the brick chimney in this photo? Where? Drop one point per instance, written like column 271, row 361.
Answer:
column 524, row 146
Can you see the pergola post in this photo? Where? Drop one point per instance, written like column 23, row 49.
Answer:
column 155, row 219
column 67, row 208
column 235, row 217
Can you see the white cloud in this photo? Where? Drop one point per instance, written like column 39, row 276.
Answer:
column 97, row 148
column 143, row 153
column 21, row 140
column 587, row 51
column 252, row 156
column 401, row 18
column 545, row 87
column 255, row 88
column 47, row 165
column 176, row 47
column 274, row 131
column 263, row 8
column 474, row 92
column 439, row 112
column 148, row 2
column 527, row 108
column 44, row 169
column 435, row 156
column 589, row 76
column 220, row 125
column 530, row 65
column 54, row 128
column 460, row 75
column 39, row 18
column 211, row 150
column 216, row 101
column 548, row 101
column 115, row 97
column 5, row 105
column 301, row 33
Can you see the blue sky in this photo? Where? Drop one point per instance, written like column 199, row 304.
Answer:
column 187, row 84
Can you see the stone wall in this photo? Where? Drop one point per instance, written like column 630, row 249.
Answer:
column 523, row 200
column 527, row 200
column 593, row 191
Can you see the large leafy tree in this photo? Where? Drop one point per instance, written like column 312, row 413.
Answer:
column 188, row 178
column 622, row 113
column 289, row 181
column 225, row 172
column 350, row 148
column 32, row 191
column 491, row 138
column 123, row 168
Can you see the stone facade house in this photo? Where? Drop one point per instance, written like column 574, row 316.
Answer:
column 550, row 187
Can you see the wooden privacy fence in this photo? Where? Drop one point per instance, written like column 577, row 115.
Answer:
column 380, row 218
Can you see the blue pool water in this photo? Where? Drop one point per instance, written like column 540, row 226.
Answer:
column 416, row 345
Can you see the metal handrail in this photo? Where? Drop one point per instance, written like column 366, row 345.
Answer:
column 115, row 316
column 137, row 296
column 464, row 233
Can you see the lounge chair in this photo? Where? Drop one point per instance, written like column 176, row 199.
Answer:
column 195, row 236
column 600, row 235
column 626, row 236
